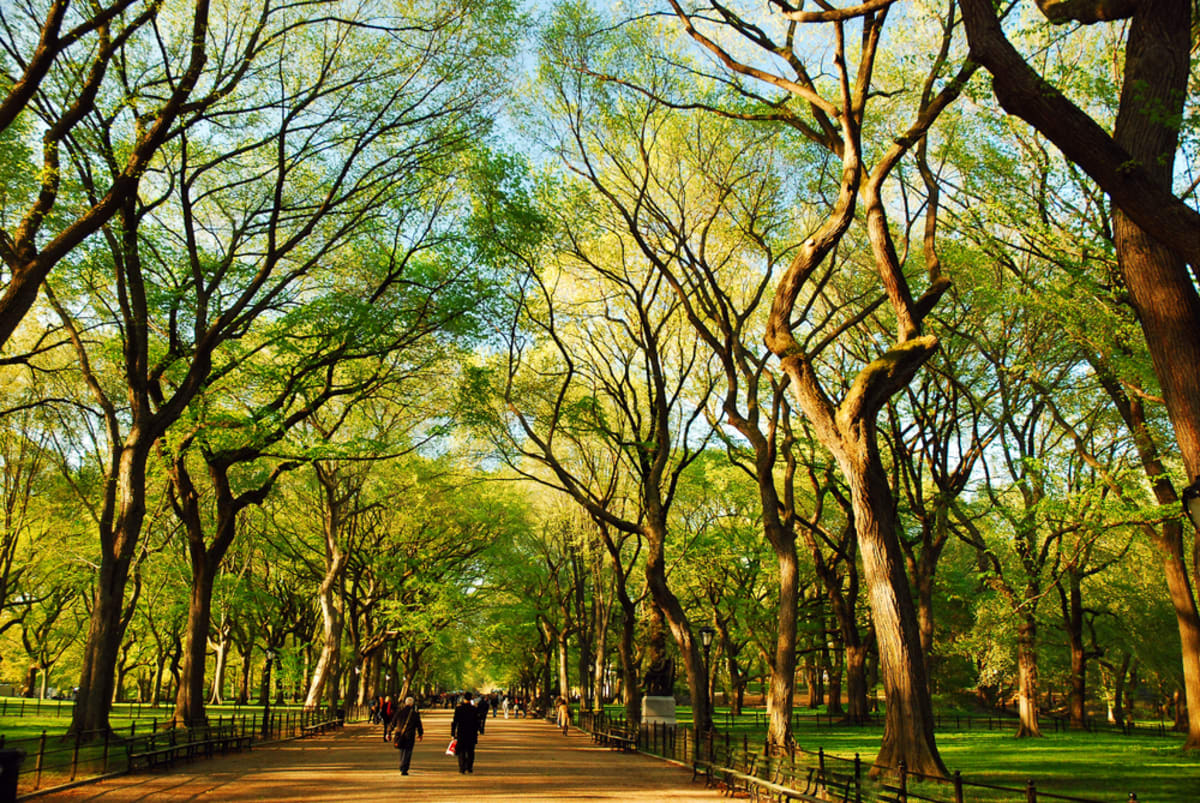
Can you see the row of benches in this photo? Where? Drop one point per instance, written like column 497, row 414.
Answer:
column 163, row 748
column 756, row 775
column 620, row 738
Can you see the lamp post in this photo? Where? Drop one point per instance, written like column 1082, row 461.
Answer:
column 266, row 723
column 706, row 638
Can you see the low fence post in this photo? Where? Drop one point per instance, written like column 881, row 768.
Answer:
column 958, row 787
column 37, row 778
column 1030, row 792
column 104, row 758
column 903, row 781
column 75, row 755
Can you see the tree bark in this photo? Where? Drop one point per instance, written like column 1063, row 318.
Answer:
column 1027, row 678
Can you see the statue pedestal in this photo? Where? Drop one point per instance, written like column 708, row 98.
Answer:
column 658, row 710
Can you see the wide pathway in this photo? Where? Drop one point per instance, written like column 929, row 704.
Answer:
column 517, row 759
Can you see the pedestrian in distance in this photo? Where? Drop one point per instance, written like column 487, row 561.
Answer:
column 387, row 712
column 407, row 731
column 483, row 711
column 465, row 729
column 564, row 714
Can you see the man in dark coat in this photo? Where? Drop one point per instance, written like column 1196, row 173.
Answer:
column 465, row 728
column 406, row 729
column 483, row 712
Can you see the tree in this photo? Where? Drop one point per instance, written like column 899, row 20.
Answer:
column 847, row 427
column 234, row 233
column 618, row 371
column 59, row 57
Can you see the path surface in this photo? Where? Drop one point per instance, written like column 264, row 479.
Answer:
column 517, row 760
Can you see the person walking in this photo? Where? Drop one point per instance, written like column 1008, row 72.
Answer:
column 483, row 712
column 564, row 713
column 465, row 729
column 406, row 731
column 388, row 711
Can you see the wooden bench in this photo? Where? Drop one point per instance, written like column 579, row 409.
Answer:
column 319, row 727
column 621, row 738
column 164, row 748
column 157, row 749
column 746, row 777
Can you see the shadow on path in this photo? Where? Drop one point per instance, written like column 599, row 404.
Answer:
column 517, row 760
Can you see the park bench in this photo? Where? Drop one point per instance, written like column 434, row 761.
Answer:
column 746, row 776
column 222, row 738
column 157, row 749
column 163, row 748
column 319, row 727
column 617, row 737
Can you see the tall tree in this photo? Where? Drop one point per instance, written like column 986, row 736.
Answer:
column 59, row 70
column 234, row 233
column 848, row 426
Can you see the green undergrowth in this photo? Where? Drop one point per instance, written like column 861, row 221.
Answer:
column 1094, row 766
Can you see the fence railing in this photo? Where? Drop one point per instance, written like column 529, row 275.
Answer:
column 739, row 763
column 57, row 759
column 957, row 722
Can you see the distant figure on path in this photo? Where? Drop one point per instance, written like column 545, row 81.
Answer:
column 465, row 728
column 564, row 714
column 483, row 711
column 388, row 711
column 406, row 727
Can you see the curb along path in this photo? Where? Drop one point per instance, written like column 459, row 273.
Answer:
column 517, row 759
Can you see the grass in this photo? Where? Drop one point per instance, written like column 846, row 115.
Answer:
column 1094, row 766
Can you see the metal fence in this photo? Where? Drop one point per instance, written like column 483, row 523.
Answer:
column 958, row 722
column 742, row 766
column 60, row 759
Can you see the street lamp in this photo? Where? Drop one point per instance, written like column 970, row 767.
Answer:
column 266, row 723
column 1191, row 502
column 706, row 638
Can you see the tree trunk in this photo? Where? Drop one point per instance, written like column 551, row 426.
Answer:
column 564, row 663
column 812, row 682
column 1027, row 678
column 106, row 629
column 856, row 684
column 189, row 700
column 668, row 603
column 781, row 689
column 631, row 687
column 836, row 663
column 908, row 722
column 326, row 671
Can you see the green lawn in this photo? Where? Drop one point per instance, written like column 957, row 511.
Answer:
column 1097, row 766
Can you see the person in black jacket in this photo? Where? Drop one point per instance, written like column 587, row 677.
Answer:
column 465, row 728
column 406, row 729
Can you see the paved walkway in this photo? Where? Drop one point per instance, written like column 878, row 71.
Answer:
column 517, row 760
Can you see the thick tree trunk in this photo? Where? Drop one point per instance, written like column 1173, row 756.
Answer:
column 189, row 700
column 1027, row 678
column 106, row 629
column 326, row 671
column 856, row 684
column 668, row 603
column 812, row 684
column 1073, row 624
column 908, row 724
column 781, row 688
